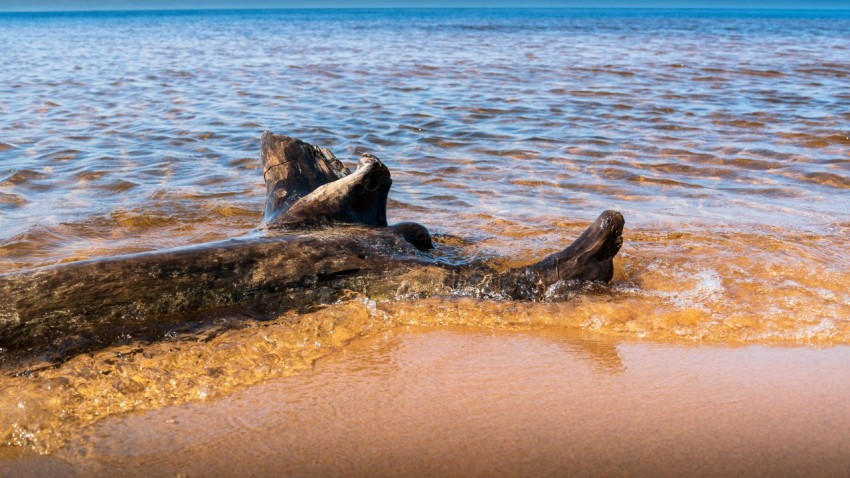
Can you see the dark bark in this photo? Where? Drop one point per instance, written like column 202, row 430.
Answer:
column 101, row 300
column 588, row 258
column 98, row 301
column 292, row 169
column 307, row 186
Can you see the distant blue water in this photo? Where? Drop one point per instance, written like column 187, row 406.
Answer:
column 140, row 129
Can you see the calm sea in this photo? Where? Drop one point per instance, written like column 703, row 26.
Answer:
column 722, row 136
column 138, row 130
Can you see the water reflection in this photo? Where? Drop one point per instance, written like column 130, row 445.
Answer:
column 603, row 355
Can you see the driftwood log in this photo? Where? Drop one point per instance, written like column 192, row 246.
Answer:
column 324, row 234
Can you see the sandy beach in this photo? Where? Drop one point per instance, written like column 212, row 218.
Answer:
column 455, row 402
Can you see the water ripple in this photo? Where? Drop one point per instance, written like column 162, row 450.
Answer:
column 683, row 117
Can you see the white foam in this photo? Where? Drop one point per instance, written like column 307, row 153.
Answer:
column 824, row 329
column 708, row 288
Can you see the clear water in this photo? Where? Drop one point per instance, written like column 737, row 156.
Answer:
column 722, row 136
column 137, row 130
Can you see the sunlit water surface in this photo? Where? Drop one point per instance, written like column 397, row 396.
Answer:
column 723, row 137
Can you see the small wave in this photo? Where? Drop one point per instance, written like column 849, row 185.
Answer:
column 535, row 183
column 118, row 185
column 247, row 164
column 373, row 139
column 768, row 192
column 585, row 93
column 228, row 210
column 754, row 164
column 739, row 123
column 829, row 179
column 90, row 175
column 22, row 177
column 759, row 73
column 589, row 153
column 622, row 175
column 63, row 155
column 11, row 200
column 672, row 127
column 687, row 170
column 440, row 142
column 508, row 153
column 826, row 71
column 817, row 141
column 710, row 79
column 402, row 205
column 612, row 71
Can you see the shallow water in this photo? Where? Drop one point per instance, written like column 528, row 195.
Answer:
column 141, row 130
column 723, row 137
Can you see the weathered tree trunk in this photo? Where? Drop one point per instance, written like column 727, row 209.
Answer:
column 307, row 186
column 292, row 169
column 97, row 301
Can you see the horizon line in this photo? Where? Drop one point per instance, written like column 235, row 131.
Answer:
column 235, row 9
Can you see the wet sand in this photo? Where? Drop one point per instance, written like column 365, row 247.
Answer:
column 477, row 402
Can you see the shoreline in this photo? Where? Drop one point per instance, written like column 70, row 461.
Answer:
column 459, row 400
